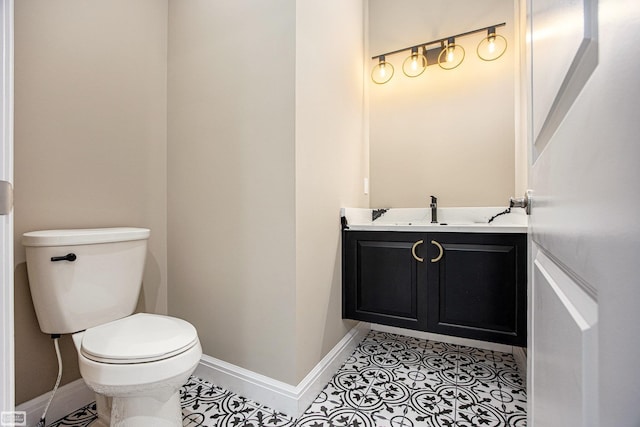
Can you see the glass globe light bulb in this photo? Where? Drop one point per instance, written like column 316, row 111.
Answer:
column 492, row 44
column 450, row 52
column 491, row 47
column 382, row 72
column 451, row 55
column 414, row 64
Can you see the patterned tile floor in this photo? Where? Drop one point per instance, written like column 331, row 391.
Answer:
column 389, row 381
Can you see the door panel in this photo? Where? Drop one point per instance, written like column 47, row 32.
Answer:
column 478, row 288
column 565, row 51
column 480, row 274
column 565, row 343
column 584, row 218
column 387, row 281
column 383, row 282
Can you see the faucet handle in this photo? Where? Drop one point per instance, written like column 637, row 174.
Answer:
column 434, row 210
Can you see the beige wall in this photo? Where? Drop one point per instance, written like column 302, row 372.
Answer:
column 90, row 144
column 265, row 146
column 234, row 130
column 521, row 150
column 331, row 163
column 231, row 211
column 447, row 133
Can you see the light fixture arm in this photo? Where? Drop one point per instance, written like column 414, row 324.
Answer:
column 439, row 41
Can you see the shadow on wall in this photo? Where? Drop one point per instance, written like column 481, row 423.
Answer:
column 335, row 301
column 149, row 300
column 33, row 348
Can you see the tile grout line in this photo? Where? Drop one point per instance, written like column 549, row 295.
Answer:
column 498, row 381
column 457, row 374
column 413, row 387
column 404, row 408
column 395, row 339
column 500, row 391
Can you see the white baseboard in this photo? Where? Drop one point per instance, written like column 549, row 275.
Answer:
column 321, row 374
column 444, row 338
column 283, row 397
column 291, row 400
column 68, row 399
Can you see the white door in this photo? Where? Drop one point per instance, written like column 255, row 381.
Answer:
column 6, row 216
column 584, row 102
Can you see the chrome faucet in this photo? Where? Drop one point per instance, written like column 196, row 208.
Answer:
column 434, row 210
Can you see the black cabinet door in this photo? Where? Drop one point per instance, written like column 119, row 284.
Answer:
column 382, row 281
column 478, row 288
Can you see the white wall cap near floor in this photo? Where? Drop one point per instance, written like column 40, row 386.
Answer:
column 283, row 397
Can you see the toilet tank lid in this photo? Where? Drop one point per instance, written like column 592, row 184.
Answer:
column 85, row 236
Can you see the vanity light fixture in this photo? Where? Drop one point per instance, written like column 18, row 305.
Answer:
column 447, row 54
column 382, row 72
column 491, row 47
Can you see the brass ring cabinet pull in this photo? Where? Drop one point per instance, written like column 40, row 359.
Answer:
column 413, row 250
column 439, row 257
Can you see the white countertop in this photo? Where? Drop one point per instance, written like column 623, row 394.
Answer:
column 465, row 220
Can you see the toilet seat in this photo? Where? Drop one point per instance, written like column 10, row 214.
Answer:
column 140, row 338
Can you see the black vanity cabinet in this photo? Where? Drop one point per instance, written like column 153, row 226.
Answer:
column 382, row 281
column 477, row 289
column 470, row 285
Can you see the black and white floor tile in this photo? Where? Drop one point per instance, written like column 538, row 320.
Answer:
column 80, row 418
column 398, row 381
column 204, row 404
column 389, row 381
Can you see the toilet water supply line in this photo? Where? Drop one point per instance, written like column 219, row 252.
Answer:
column 42, row 422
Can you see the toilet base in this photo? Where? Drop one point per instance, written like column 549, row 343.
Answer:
column 139, row 394
column 139, row 411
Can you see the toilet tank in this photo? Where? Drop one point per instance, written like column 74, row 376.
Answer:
column 85, row 277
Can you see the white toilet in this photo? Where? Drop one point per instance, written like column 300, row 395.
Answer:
column 86, row 283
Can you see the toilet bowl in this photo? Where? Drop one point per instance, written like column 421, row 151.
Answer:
column 136, row 366
column 86, row 283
